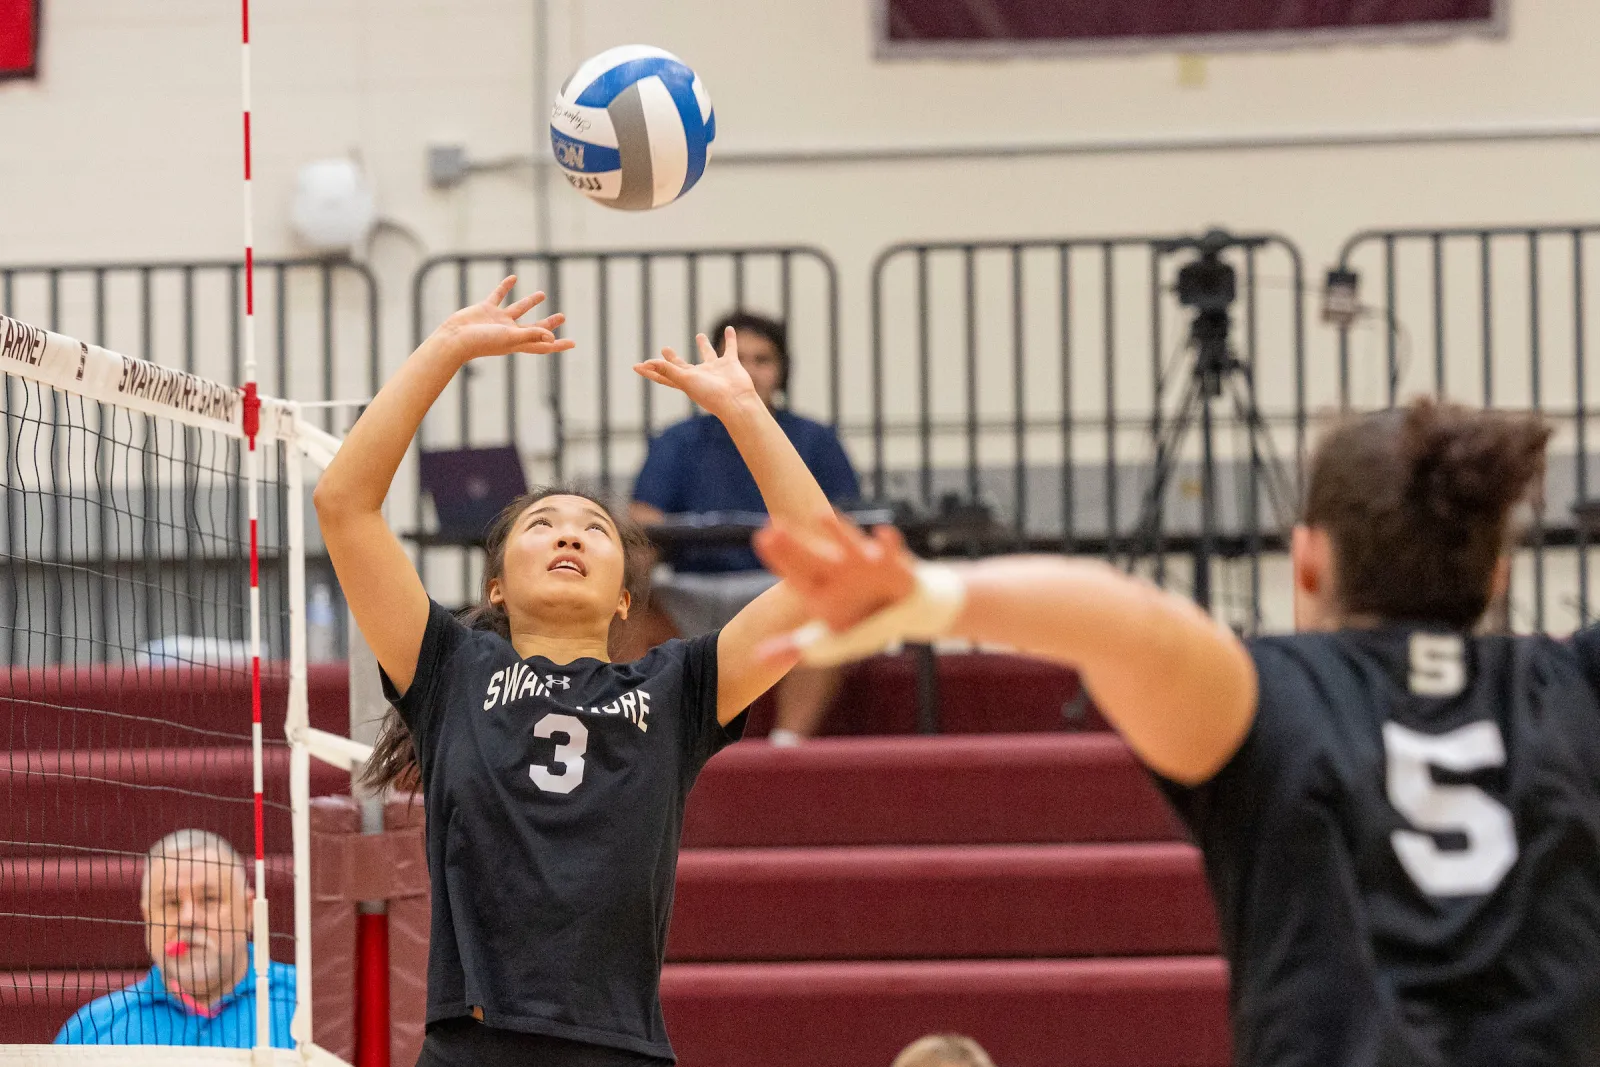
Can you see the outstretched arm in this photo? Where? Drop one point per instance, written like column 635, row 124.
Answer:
column 720, row 384
column 1179, row 687
column 376, row 575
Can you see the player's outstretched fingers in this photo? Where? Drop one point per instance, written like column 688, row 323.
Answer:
column 670, row 354
column 525, row 305
column 887, row 542
column 659, row 371
column 802, row 560
column 708, row 352
column 495, row 298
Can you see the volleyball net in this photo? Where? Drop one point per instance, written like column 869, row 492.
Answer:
column 131, row 831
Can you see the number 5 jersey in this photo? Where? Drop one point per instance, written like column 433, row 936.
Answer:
column 1405, row 852
column 554, row 797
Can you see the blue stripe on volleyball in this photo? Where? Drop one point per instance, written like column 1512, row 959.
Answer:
column 697, row 134
column 605, row 88
column 582, row 156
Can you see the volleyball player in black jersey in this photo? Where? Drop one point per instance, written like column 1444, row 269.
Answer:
column 554, row 780
column 1400, row 821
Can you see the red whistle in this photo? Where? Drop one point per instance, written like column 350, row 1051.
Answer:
column 177, row 949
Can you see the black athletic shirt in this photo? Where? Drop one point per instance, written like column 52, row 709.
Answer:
column 1405, row 852
column 554, row 798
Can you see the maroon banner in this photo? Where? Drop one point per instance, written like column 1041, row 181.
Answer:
column 19, row 38
column 1100, row 22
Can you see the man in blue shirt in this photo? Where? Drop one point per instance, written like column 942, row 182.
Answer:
column 693, row 467
column 202, row 989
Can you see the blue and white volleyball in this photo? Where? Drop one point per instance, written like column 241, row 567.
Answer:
column 632, row 128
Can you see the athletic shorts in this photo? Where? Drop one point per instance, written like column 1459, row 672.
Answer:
column 700, row 603
column 466, row 1042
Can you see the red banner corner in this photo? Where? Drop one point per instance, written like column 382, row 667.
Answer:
column 19, row 38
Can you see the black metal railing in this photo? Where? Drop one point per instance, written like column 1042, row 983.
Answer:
column 1038, row 382
column 1040, row 378
column 317, row 320
column 318, row 338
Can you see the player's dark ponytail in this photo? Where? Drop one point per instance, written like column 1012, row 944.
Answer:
column 1418, row 504
column 394, row 756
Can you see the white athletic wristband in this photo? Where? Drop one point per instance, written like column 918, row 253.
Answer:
column 926, row 614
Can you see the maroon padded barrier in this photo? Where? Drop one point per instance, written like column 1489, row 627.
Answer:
column 333, row 928
column 927, row 790
column 962, row 902
column 347, row 868
column 1028, row 1013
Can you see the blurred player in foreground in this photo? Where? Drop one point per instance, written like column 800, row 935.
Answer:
column 202, row 989
column 1400, row 821
column 554, row 780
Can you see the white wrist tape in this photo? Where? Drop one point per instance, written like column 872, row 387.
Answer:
column 926, row 614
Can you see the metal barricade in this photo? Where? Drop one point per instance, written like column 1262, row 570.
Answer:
column 586, row 416
column 318, row 339
column 1041, row 379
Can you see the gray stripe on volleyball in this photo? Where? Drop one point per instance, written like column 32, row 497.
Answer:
column 638, row 190
column 567, row 85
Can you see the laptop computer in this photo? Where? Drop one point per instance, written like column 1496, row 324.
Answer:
column 470, row 486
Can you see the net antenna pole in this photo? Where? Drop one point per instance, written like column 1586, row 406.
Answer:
column 262, row 930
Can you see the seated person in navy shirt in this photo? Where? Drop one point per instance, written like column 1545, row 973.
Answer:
column 693, row 467
column 202, row 989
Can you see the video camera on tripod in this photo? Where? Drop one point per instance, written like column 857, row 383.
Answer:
column 1209, row 285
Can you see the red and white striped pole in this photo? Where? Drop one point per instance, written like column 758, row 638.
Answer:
column 262, row 930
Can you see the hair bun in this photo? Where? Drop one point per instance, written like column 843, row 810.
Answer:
column 1466, row 464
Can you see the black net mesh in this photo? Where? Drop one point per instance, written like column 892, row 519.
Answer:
column 125, row 708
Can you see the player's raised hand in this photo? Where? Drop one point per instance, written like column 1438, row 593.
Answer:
column 843, row 575
column 487, row 329
column 716, row 383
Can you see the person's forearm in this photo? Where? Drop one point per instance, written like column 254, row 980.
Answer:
column 358, row 478
column 788, row 487
column 1178, row 685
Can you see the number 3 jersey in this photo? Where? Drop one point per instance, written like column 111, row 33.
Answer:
column 1405, row 852
column 554, row 797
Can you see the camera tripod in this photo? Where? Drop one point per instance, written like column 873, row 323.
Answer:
column 1209, row 286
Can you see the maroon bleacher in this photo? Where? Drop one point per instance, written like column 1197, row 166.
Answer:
column 98, row 765
column 125, row 798
column 1027, row 1013
column 939, row 902
column 84, row 912
column 1004, row 789
column 979, row 693
column 834, row 902
column 34, row 1004
column 82, row 708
